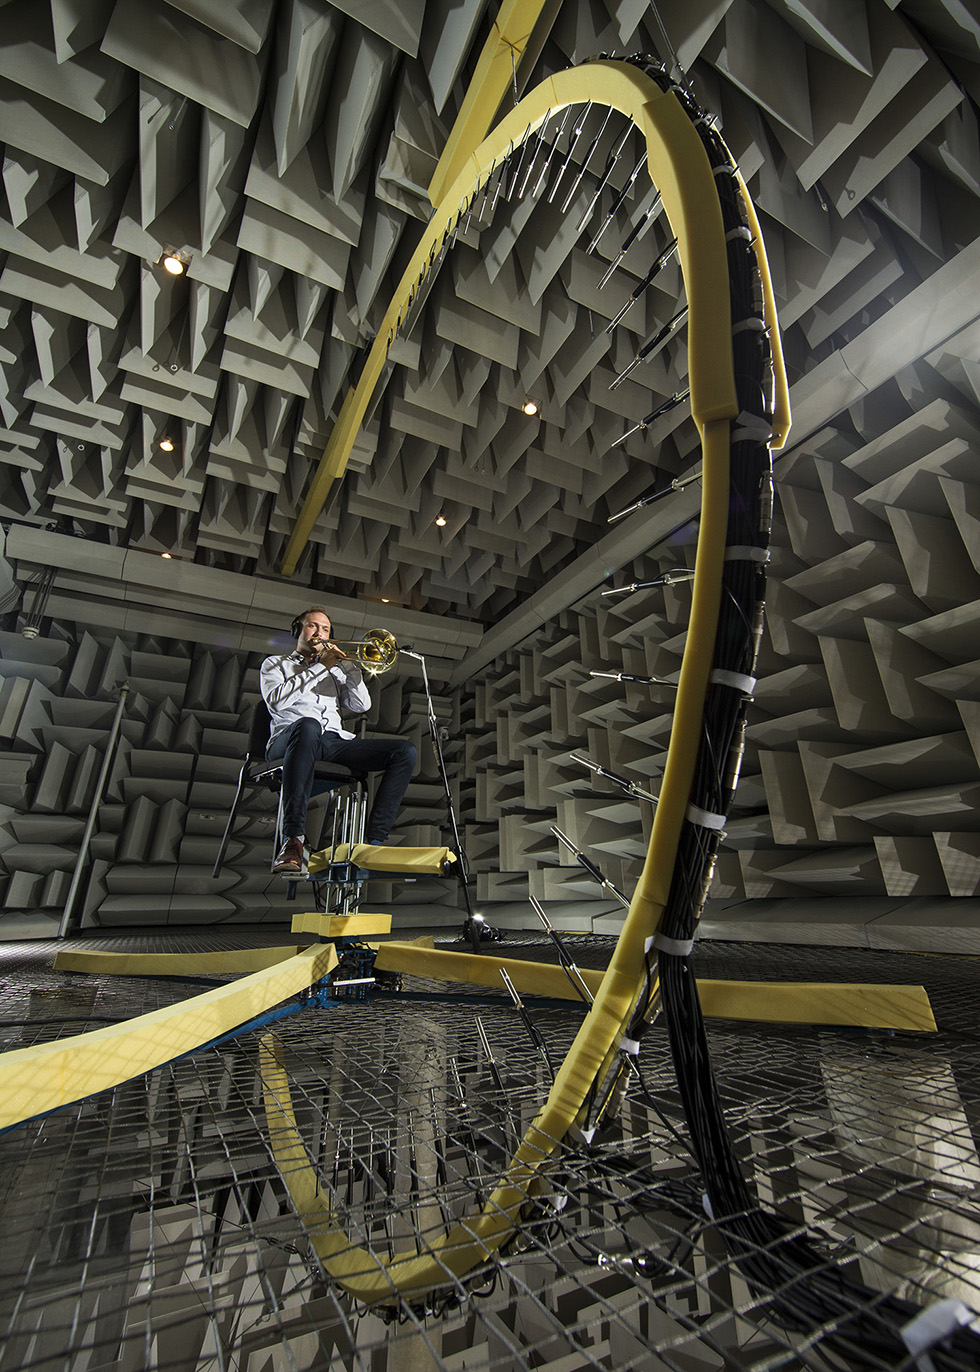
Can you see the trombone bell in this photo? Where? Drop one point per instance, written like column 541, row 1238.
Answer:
column 377, row 652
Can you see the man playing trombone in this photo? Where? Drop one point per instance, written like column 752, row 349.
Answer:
column 305, row 691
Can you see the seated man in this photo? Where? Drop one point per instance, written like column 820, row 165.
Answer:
column 305, row 691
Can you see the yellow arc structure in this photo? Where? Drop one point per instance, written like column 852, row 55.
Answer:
column 680, row 170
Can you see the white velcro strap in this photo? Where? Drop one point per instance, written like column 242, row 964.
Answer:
column 707, row 1206
column 588, row 1134
column 752, row 426
column 631, row 1046
column 679, row 948
column 737, row 680
column 704, row 819
column 931, row 1326
column 741, row 231
column 648, row 945
column 746, row 554
column 751, row 325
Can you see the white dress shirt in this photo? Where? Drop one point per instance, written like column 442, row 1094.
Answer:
column 294, row 688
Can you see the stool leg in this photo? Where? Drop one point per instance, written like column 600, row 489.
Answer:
column 277, row 835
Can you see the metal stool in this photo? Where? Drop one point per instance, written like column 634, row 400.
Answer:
column 349, row 813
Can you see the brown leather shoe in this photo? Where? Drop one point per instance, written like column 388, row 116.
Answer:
column 289, row 859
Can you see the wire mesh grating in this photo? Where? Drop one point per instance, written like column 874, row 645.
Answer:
column 151, row 1227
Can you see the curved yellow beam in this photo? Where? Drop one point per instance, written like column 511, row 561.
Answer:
column 679, row 168
column 49, row 1075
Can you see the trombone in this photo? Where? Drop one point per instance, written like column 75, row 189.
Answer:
column 377, row 652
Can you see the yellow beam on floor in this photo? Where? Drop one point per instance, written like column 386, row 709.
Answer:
column 861, row 1005
column 237, row 962
column 50, row 1075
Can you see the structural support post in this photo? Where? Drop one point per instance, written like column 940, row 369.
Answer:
column 93, row 813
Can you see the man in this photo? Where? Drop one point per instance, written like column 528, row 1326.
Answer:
column 305, row 692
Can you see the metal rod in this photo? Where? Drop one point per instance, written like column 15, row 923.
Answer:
column 554, row 147
column 93, row 813
column 589, row 866
column 642, row 680
column 669, row 404
column 651, row 348
column 537, row 148
column 611, row 161
column 647, row 281
column 673, row 578
column 444, row 776
column 525, row 142
column 567, row 965
column 676, row 485
column 529, row 1025
column 632, row 237
column 617, row 203
column 630, row 787
column 588, row 158
column 571, row 150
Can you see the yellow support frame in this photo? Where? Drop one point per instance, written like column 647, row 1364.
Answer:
column 47, row 1076
column 865, row 1005
column 678, row 166
column 680, row 169
column 70, row 1069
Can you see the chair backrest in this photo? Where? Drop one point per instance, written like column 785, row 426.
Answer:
column 258, row 734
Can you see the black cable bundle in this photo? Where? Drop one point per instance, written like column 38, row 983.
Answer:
column 804, row 1287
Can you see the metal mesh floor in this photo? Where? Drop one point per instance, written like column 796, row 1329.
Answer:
column 149, row 1227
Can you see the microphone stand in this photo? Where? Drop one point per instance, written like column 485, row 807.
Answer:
column 473, row 922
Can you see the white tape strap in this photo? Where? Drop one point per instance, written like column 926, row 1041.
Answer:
column 751, row 325
column 931, row 1326
column 631, row 1046
column 649, row 944
column 704, row 819
column 755, row 427
column 741, row 231
column 677, row 947
column 737, row 553
column 737, row 680
column 588, row 1134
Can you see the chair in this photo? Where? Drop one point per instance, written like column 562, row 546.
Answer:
column 349, row 815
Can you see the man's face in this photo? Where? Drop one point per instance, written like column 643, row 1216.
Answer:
column 314, row 625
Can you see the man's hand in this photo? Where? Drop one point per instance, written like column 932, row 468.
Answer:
column 328, row 654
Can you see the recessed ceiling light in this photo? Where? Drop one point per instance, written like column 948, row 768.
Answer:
column 173, row 263
column 530, row 406
column 168, row 556
column 441, row 520
column 167, row 444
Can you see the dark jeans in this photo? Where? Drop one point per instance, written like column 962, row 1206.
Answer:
column 303, row 744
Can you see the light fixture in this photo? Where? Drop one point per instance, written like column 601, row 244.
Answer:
column 173, row 262
column 385, row 600
column 167, row 444
column 530, row 406
column 168, row 556
column 441, row 521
